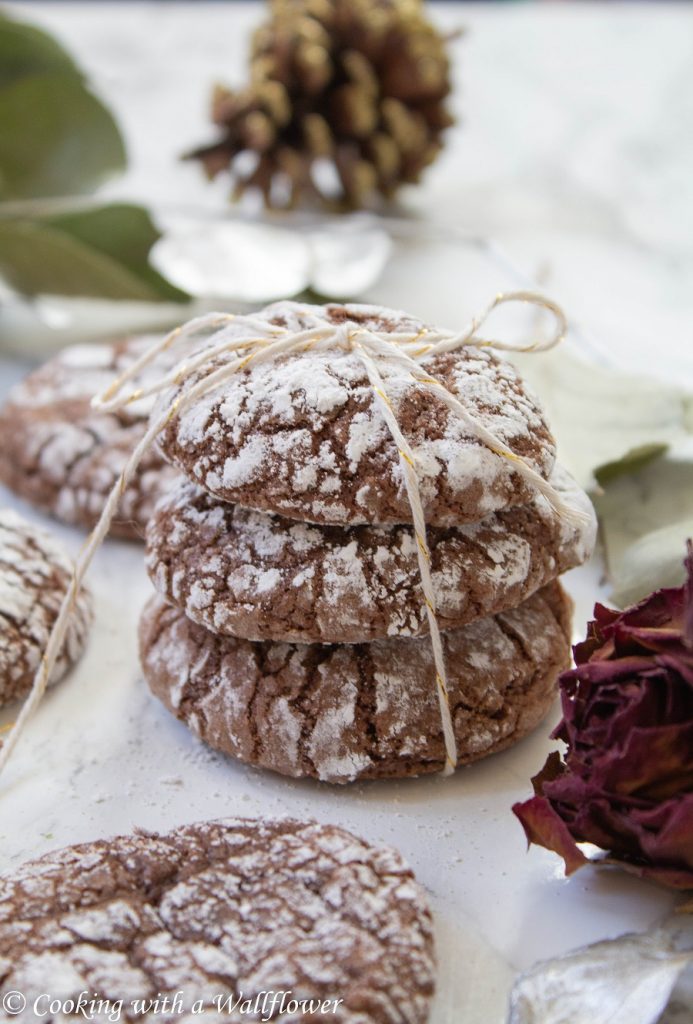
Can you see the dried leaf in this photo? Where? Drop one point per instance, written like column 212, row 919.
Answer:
column 601, row 416
column 348, row 258
column 620, row 981
column 646, row 517
column 256, row 262
column 633, row 460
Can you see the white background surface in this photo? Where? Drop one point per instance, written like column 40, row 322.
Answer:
column 576, row 152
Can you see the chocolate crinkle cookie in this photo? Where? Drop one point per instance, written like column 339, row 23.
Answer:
column 63, row 457
column 353, row 711
column 221, row 913
column 261, row 577
column 35, row 574
column 303, row 435
column 290, row 629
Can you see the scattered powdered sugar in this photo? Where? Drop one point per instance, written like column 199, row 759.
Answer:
column 99, row 923
column 242, row 469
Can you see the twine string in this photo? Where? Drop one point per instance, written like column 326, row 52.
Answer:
column 149, row 355
column 408, row 463
column 404, row 348
column 451, row 342
column 82, row 563
column 256, row 348
column 494, row 443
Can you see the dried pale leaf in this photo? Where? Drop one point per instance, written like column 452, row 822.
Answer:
column 232, row 259
column 620, row 981
column 348, row 257
column 39, row 327
column 632, row 461
column 652, row 562
column 680, row 1008
column 255, row 262
column 646, row 517
column 599, row 415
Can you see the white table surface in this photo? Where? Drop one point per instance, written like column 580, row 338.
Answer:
column 575, row 152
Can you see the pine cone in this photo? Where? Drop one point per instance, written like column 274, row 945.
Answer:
column 356, row 84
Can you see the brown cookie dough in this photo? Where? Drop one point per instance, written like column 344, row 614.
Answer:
column 303, row 436
column 260, row 577
column 359, row 711
column 34, row 576
column 231, row 909
column 63, row 456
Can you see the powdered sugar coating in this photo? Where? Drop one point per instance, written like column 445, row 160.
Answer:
column 34, row 576
column 249, row 574
column 303, row 435
column 221, row 908
column 344, row 712
column 63, row 456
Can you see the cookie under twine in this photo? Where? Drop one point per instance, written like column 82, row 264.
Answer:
column 405, row 349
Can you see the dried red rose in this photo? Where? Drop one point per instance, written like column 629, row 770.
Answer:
column 626, row 781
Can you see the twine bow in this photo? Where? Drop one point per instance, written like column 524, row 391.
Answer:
column 406, row 349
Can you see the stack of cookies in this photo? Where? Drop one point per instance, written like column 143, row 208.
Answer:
column 289, row 628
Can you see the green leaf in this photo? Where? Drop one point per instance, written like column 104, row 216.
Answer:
column 99, row 253
column 633, row 460
column 25, row 50
column 56, row 138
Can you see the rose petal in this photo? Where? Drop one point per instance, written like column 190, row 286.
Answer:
column 545, row 828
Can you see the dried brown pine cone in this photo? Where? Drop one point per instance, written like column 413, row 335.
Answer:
column 358, row 85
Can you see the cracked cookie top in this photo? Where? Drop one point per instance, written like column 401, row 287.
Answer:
column 357, row 711
column 303, row 435
column 63, row 456
column 34, row 576
column 253, row 575
column 230, row 908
